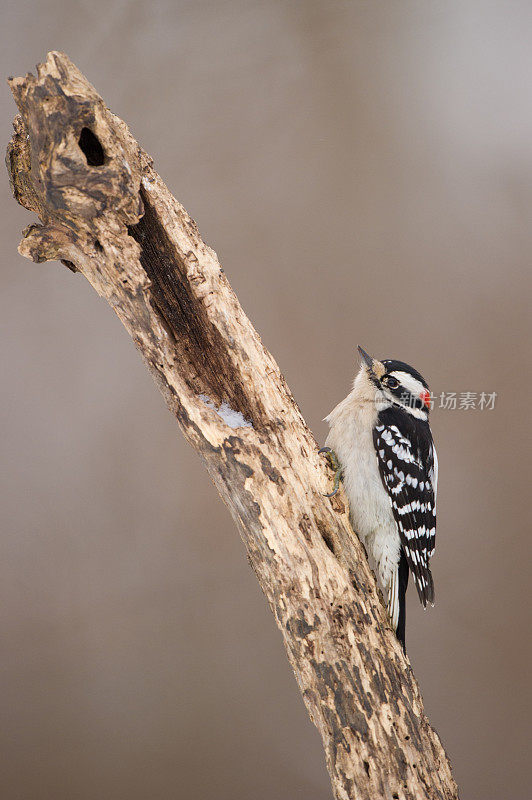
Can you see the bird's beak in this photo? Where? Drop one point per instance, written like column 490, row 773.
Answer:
column 375, row 368
column 366, row 359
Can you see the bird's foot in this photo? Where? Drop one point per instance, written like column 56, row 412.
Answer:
column 332, row 460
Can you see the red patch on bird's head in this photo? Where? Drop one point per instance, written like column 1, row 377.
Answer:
column 425, row 397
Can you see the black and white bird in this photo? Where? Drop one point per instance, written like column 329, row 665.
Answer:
column 387, row 460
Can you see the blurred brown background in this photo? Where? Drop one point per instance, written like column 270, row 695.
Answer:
column 364, row 171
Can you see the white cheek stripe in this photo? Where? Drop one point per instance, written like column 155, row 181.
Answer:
column 410, row 383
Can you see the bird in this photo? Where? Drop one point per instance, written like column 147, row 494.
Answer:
column 381, row 446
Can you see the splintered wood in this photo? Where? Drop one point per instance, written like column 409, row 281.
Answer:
column 106, row 213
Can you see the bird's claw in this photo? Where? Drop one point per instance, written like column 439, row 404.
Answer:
column 332, row 460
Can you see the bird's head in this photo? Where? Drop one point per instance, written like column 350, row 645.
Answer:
column 396, row 383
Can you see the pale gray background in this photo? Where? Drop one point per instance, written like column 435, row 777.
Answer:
column 364, row 171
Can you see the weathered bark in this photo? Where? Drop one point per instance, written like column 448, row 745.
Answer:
column 106, row 213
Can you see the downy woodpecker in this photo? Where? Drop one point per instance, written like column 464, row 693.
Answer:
column 385, row 455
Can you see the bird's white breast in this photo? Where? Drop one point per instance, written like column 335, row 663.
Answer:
column 351, row 437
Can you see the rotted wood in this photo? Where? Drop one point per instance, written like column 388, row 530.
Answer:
column 106, row 213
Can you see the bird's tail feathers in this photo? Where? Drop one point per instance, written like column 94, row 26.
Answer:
column 397, row 599
column 393, row 599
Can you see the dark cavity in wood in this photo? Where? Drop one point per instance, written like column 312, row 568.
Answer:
column 91, row 148
column 197, row 341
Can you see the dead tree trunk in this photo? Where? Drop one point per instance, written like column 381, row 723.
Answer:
column 106, row 213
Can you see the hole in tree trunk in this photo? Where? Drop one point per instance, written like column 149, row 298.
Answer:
column 91, row 148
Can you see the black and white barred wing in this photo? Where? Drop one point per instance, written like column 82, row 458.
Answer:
column 409, row 470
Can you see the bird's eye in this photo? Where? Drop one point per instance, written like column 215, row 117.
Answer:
column 393, row 383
